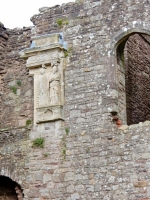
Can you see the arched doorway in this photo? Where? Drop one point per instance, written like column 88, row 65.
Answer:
column 10, row 190
column 133, row 74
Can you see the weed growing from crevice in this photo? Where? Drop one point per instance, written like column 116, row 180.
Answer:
column 62, row 21
column 14, row 89
column 88, row 149
column 19, row 83
column 38, row 142
column 28, row 122
column 67, row 131
column 67, row 52
column 64, row 153
column 45, row 154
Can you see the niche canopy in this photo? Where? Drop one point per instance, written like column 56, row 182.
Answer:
column 46, row 62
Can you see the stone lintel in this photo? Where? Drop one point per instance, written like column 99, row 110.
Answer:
column 28, row 52
column 44, row 43
column 44, row 40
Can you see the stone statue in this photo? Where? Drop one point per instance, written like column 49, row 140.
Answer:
column 43, row 94
column 54, row 85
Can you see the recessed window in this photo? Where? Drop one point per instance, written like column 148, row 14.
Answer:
column 133, row 74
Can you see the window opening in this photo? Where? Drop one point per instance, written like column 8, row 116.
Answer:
column 133, row 74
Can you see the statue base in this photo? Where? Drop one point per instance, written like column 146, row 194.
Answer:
column 50, row 113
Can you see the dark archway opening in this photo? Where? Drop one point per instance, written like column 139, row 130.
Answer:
column 10, row 190
column 134, row 78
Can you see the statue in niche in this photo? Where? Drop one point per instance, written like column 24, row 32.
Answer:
column 54, row 85
column 43, row 94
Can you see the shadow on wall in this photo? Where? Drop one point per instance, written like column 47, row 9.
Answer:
column 10, row 189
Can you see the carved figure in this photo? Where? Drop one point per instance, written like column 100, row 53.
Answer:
column 43, row 94
column 54, row 86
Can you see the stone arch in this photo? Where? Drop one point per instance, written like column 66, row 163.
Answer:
column 120, row 72
column 125, row 33
column 9, row 170
column 9, row 189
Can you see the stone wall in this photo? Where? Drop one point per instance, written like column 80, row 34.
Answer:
column 16, row 84
column 86, row 156
column 3, row 41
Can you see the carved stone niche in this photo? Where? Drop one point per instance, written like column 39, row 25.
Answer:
column 46, row 62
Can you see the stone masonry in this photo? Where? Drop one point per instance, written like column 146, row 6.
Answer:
column 85, row 156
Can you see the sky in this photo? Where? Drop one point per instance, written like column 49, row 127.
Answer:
column 17, row 13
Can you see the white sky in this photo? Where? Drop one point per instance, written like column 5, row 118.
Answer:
column 17, row 13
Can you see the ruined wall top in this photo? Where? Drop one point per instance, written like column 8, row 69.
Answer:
column 3, row 32
column 85, row 155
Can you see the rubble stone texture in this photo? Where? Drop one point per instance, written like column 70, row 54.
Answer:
column 85, row 157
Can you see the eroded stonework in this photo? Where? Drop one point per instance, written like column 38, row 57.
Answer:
column 46, row 63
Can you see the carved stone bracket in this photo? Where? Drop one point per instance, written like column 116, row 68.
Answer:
column 46, row 62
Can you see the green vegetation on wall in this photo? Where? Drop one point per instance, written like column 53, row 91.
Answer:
column 38, row 142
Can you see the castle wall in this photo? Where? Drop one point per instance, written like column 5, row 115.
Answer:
column 17, row 98
column 3, row 41
column 95, row 160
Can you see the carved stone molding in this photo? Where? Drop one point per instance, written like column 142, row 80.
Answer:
column 46, row 62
